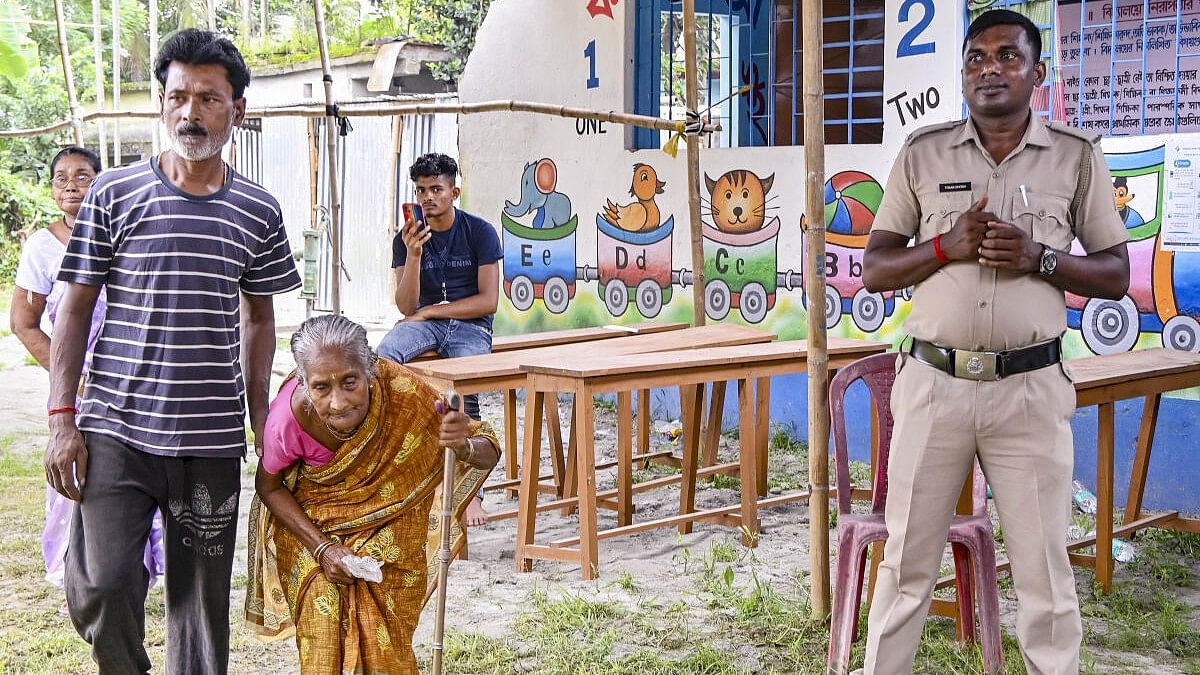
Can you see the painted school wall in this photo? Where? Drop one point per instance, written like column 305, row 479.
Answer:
column 578, row 270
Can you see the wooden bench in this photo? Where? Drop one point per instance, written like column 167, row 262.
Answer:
column 501, row 371
column 552, row 338
column 748, row 365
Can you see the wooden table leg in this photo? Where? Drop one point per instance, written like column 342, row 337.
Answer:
column 571, row 480
column 531, row 464
column 585, row 469
column 1105, row 446
column 554, row 431
column 712, row 432
column 1141, row 458
column 510, row 439
column 748, row 460
column 624, row 458
column 762, row 429
column 690, row 404
column 643, row 416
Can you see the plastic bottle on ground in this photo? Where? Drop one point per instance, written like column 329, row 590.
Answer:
column 1084, row 499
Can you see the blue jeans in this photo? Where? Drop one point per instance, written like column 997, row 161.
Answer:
column 449, row 337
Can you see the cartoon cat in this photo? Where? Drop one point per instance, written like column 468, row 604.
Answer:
column 738, row 200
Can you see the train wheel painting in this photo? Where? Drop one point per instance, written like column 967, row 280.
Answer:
column 833, row 307
column 649, row 298
column 556, row 295
column 1110, row 326
column 1182, row 333
column 521, row 293
column 616, row 297
column 753, row 303
column 716, row 299
column 868, row 310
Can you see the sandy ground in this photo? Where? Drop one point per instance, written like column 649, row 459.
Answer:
column 486, row 593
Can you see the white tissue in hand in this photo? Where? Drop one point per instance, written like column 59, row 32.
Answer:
column 364, row 567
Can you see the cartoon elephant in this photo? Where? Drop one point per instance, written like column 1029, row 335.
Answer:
column 538, row 194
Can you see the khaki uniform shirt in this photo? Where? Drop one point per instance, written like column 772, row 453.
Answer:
column 940, row 172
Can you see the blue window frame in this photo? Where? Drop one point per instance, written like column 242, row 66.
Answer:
column 758, row 43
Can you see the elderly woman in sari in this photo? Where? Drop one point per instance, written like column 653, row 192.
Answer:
column 352, row 463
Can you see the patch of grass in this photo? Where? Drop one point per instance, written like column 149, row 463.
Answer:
column 4, row 332
column 626, row 582
column 722, row 481
column 477, row 653
column 604, row 403
column 30, row 361
column 723, row 551
column 283, row 344
column 940, row 652
column 784, row 439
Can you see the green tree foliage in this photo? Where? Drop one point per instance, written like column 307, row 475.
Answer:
column 18, row 53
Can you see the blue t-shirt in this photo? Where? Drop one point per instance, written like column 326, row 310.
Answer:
column 451, row 260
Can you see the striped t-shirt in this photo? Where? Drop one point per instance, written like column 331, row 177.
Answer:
column 166, row 376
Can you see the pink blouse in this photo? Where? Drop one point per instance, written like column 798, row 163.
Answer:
column 285, row 441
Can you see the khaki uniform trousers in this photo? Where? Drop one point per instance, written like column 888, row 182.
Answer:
column 1020, row 429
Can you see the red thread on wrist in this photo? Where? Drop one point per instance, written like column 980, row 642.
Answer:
column 937, row 250
column 64, row 409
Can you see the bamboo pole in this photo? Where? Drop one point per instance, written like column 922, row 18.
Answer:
column 814, row 285
column 693, row 163
column 385, row 108
column 155, row 144
column 331, row 131
column 98, row 57
column 212, row 15
column 116, row 78
column 394, row 166
column 245, row 25
column 262, row 18
column 314, row 179
column 65, row 52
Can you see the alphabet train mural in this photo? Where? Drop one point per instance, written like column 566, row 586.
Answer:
column 634, row 256
column 634, row 269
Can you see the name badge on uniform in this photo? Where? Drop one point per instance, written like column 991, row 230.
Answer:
column 962, row 186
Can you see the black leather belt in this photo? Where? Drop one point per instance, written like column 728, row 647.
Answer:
column 986, row 365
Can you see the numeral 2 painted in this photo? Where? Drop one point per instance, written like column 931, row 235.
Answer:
column 906, row 46
column 590, row 53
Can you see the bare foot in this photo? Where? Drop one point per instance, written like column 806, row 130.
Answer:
column 475, row 515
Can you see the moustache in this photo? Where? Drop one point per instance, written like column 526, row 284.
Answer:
column 192, row 130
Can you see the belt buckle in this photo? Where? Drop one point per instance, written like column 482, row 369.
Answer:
column 976, row 365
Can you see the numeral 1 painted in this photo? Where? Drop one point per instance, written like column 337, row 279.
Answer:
column 590, row 53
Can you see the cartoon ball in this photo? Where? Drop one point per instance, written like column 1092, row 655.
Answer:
column 851, row 201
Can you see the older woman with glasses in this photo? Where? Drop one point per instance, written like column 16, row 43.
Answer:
column 36, row 296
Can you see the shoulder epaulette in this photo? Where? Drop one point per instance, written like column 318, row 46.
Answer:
column 925, row 130
column 1089, row 136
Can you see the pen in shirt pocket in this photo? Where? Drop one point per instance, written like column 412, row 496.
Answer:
column 1024, row 195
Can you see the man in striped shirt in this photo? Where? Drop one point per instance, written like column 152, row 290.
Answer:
column 179, row 240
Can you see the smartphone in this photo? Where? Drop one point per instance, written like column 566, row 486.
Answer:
column 414, row 213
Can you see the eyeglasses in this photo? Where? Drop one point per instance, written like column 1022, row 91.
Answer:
column 80, row 180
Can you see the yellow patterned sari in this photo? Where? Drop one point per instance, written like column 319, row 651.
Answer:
column 375, row 497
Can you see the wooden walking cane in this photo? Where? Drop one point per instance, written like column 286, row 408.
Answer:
column 454, row 402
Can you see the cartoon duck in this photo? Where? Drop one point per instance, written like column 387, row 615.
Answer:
column 642, row 214
column 1121, row 196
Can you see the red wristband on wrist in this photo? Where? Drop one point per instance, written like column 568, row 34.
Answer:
column 64, row 409
column 937, row 250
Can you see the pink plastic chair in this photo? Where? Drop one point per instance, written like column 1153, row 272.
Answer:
column 970, row 536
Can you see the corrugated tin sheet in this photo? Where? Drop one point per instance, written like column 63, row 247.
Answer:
column 364, row 180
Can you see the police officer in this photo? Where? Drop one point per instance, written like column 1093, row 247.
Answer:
column 994, row 202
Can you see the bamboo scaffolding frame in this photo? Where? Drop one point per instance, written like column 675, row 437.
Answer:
column 331, row 132
column 155, row 143
column 814, row 285
column 116, row 78
column 68, row 74
column 692, row 97
column 387, row 108
column 98, row 57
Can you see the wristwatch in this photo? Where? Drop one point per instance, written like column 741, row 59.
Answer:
column 1048, row 262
